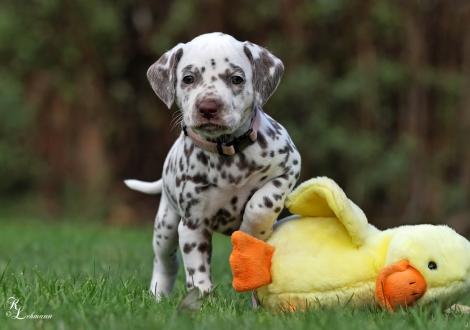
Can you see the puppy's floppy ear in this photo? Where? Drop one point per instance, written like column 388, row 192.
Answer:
column 267, row 71
column 162, row 74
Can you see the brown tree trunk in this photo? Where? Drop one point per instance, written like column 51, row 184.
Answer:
column 415, row 118
column 92, row 169
column 464, row 223
column 366, row 59
column 465, row 107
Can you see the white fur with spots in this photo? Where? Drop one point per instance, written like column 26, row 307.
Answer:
column 203, row 192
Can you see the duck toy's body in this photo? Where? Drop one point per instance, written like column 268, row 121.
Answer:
column 329, row 255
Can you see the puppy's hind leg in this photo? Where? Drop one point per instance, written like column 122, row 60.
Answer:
column 165, row 244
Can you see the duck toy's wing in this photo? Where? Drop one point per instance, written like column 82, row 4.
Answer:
column 322, row 197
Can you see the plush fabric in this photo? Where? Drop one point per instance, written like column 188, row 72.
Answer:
column 330, row 255
column 251, row 260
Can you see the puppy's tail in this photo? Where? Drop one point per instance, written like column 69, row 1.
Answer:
column 151, row 188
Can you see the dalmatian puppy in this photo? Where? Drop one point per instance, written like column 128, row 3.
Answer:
column 232, row 166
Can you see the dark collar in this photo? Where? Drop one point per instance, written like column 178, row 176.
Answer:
column 231, row 147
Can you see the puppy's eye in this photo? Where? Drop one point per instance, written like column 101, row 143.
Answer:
column 237, row 80
column 432, row 265
column 188, row 79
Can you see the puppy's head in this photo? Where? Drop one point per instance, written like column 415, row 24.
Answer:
column 216, row 81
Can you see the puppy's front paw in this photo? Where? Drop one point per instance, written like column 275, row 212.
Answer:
column 204, row 286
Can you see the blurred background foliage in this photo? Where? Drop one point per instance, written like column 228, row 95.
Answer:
column 376, row 94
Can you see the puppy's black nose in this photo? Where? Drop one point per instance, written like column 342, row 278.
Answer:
column 208, row 108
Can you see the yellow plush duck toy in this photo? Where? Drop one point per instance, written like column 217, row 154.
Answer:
column 329, row 255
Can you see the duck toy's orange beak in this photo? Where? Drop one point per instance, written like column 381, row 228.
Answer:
column 399, row 285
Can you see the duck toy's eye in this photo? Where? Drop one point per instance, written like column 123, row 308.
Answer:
column 432, row 265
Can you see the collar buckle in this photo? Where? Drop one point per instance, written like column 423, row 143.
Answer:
column 220, row 149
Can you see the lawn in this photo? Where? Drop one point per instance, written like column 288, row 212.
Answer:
column 95, row 277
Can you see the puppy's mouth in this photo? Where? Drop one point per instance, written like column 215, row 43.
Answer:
column 211, row 127
column 211, row 132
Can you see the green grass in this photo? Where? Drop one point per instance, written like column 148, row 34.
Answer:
column 91, row 277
